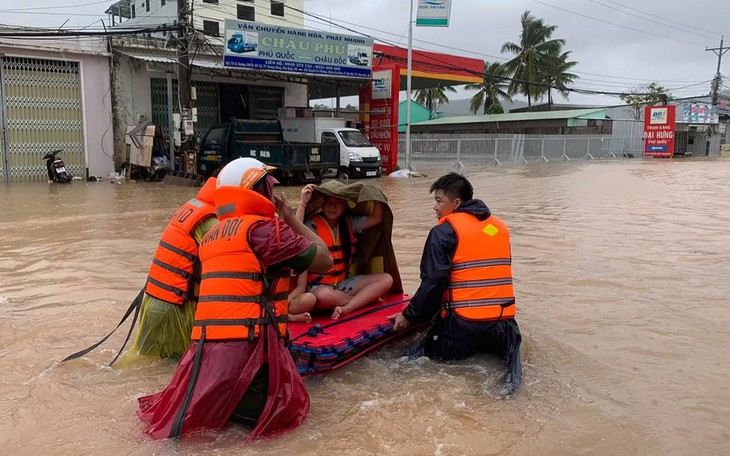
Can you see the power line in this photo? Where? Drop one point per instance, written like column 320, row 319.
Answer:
column 616, row 25
column 15, row 10
column 653, row 14
column 482, row 54
column 67, row 33
column 481, row 74
column 649, row 19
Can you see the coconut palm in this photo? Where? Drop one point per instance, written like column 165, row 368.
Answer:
column 558, row 75
column 529, row 66
column 433, row 98
column 493, row 87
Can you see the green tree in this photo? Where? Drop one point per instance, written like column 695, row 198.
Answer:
column 530, row 63
column 433, row 98
column 646, row 95
column 559, row 76
column 495, row 108
column 493, row 87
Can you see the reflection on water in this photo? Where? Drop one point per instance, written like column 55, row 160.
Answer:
column 620, row 270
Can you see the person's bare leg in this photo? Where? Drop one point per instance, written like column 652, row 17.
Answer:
column 329, row 298
column 300, row 306
column 368, row 289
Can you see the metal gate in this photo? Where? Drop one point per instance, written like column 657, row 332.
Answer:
column 40, row 111
column 207, row 105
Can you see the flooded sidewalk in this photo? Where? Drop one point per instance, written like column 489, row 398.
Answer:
column 621, row 277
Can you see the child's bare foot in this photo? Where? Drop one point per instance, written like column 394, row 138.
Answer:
column 304, row 317
column 338, row 312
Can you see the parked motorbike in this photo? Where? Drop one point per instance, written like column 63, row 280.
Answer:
column 56, row 168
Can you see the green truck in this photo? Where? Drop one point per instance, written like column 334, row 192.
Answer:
column 263, row 140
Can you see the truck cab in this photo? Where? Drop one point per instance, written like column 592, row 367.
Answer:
column 262, row 140
column 358, row 157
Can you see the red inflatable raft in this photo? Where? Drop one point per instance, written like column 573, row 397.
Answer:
column 326, row 344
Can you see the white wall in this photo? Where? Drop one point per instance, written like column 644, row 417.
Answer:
column 132, row 98
column 227, row 9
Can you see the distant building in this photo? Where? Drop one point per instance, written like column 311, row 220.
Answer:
column 568, row 122
column 419, row 113
column 54, row 94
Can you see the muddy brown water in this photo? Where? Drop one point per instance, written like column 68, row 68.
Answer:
column 622, row 281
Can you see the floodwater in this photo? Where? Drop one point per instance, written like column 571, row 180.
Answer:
column 621, row 273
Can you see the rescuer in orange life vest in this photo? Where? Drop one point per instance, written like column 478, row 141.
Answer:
column 466, row 284
column 168, row 306
column 237, row 368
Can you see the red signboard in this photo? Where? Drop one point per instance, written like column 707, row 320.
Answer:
column 659, row 127
column 381, row 126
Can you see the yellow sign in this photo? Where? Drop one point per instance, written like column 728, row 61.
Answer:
column 491, row 230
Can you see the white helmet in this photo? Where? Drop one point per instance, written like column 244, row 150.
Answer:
column 243, row 172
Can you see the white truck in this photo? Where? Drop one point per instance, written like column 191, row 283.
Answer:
column 358, row 157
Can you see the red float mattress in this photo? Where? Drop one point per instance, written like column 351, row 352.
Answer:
column 326, row 344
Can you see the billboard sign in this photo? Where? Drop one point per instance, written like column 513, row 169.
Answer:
column 659, row 128
column 381, row 124
column 699, row 113
column 257, row 46
column 382, row 84
column 433, row 13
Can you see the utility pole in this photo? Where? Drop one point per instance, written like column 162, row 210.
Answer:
column 183, row 78
column 409, row 72
column 717, row 82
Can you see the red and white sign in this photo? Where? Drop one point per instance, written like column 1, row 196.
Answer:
column 659, row 129
column 381, row 126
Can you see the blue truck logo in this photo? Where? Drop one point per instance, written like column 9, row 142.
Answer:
column 240, row 43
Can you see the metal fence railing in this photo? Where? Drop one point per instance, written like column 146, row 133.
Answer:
column 463, row 150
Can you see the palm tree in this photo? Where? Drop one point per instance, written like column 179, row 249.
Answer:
column 559, row 76
column 528, row 67
column 433, row 98
column 493, row 87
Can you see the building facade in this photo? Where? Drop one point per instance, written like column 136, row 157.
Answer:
column 208, row 15
column 54, row 94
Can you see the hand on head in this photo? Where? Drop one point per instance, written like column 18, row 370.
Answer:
column 282, row 207
column 306, row 195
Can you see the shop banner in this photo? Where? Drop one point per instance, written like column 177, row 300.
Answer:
column 699, row 113
column 257, row 46
column 433, row 13
column 659, row 128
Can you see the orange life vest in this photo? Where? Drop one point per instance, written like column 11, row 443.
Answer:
column 480, row 286
column 236, row 296
column 174, row 267
column 338, row 272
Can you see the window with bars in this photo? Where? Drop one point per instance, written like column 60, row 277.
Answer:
column 277, row 9
column 246, row 13
column 211, row 28
column 134, row 12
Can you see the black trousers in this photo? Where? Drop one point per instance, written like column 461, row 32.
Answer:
column 453, row 338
